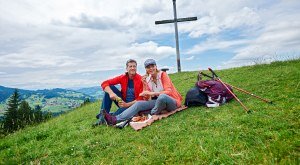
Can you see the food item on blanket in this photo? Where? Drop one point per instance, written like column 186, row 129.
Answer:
column 139, row 118
column 144, row 118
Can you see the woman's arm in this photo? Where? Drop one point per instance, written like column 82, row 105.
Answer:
column 167, row 83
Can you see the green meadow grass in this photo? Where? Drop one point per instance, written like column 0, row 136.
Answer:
column 198, row 135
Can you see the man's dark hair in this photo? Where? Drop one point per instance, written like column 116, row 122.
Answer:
column 129, row 61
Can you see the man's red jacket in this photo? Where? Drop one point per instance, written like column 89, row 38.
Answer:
column 123, row 81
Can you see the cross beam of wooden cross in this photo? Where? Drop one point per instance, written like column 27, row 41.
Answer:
column 178, row 20
column 175, row 20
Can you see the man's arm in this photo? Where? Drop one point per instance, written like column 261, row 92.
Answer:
column 112, row 95
column 113, row 81
column 105, row 86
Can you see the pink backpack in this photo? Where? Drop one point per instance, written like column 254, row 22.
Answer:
column 217, row 94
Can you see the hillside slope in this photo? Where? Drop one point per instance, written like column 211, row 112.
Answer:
column 225, row 134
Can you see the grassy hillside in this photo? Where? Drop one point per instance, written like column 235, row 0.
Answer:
column 228, row 135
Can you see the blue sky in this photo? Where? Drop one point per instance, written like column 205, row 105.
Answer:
column 80, row 43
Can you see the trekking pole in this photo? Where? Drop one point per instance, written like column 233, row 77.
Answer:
column 206, row 75
column 251, row 94
column 245, row 108
column 242, row 90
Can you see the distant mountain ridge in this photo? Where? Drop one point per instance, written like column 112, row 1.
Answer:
column 95, row 91
column 55, row 100
column 6, row 92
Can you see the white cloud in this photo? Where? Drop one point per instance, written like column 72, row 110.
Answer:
column 215, row 44
column 268, row 31
column 81, row 42
column 190, row 58
column 278, row 40
column 214, row 18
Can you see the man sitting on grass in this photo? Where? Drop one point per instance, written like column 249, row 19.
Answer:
column 131, row 86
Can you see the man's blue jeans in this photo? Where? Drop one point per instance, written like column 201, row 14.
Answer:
column 107, row 102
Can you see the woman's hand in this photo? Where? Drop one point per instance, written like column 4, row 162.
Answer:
column 145, row 93
column 149, row 94
column 144, row 79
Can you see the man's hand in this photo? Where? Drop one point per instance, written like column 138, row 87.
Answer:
column 113, row 96
column 123, row 104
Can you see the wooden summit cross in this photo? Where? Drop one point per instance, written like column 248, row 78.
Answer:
column 175, row 20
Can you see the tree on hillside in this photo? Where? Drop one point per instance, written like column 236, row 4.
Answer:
column 11, row 121
column 47, row 115
column 19, row 115
column 38, row 114
column 25, row 114
column 86, row 101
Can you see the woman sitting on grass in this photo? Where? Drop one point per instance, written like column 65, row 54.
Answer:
column 158, row 89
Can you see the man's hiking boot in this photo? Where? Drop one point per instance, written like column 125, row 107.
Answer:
column 101, row 121
column 110, row 119
column 98, row 116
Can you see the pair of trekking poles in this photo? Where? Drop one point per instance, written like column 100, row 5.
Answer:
column 217, row 78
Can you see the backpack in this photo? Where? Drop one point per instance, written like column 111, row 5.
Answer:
column 195, row 97
column 217, row 94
